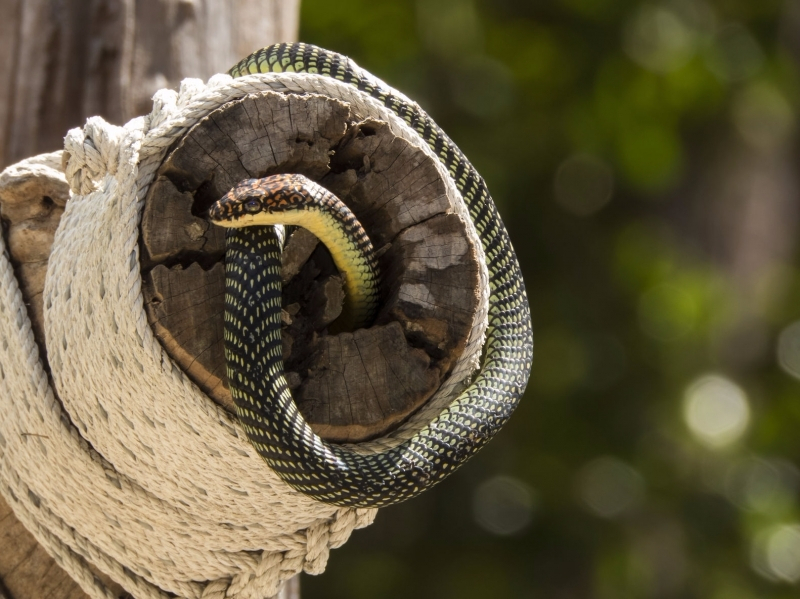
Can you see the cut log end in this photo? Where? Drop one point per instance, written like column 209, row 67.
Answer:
column 32, row 200
column 349, row 386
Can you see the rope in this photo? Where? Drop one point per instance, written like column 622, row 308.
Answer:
column 133, row 469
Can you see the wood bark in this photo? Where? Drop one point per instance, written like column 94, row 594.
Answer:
column 60, row 63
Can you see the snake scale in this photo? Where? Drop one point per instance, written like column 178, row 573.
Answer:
column 336, row 474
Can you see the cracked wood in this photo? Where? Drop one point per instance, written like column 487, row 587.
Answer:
column 349, row 386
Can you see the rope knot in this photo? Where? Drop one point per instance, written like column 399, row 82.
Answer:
column 90, row 154
column 164, row 106
column 317, row 548
column 189, row 90
column 219, row 80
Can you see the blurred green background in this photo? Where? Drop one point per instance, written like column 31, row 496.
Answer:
column 643, row 156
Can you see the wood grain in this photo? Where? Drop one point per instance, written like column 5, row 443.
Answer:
column 62, row 62
column 349, row 386
column 31, row 205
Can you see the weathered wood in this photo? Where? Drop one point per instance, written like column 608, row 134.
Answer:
column 171, row 295
column 430, row 296
column 348, row 386
column 361, row 367
column 61, row 63
column 31, row 205
column 27, row 570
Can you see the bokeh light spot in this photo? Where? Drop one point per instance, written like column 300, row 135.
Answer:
column 610, row 487
column 783, row 552
column 776, row 553
column 583, row 184
column 503, row 505
column 658, row 39
column 716, row 410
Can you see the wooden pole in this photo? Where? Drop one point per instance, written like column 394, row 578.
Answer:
column 61, row 63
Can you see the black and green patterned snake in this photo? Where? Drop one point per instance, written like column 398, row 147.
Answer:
column 253, row 349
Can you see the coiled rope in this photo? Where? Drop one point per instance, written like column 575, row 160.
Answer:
column 134, row 470
column 139, row 473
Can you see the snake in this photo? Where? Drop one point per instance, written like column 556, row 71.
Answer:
column 331, row 473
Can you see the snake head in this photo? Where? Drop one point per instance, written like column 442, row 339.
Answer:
column 246, row 198
column 251, row 197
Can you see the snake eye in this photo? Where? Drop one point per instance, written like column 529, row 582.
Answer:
column 252, row 205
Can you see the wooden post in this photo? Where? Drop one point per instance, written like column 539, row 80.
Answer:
column 61, row 63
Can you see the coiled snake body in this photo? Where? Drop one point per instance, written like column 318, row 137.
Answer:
column 327, row 472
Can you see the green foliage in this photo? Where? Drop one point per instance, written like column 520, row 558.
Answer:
column 655, row 452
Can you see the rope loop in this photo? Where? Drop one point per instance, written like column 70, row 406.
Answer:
column 219, row 80
column 164, row 106
column 189, row 90
column 317, row 548
column 167, row 103
column 90, row 154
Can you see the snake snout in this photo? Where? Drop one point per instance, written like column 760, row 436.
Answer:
column 217, row 212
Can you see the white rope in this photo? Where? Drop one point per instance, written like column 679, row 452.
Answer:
column 141, row 474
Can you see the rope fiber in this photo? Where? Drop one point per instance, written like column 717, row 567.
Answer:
column 113, row 457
